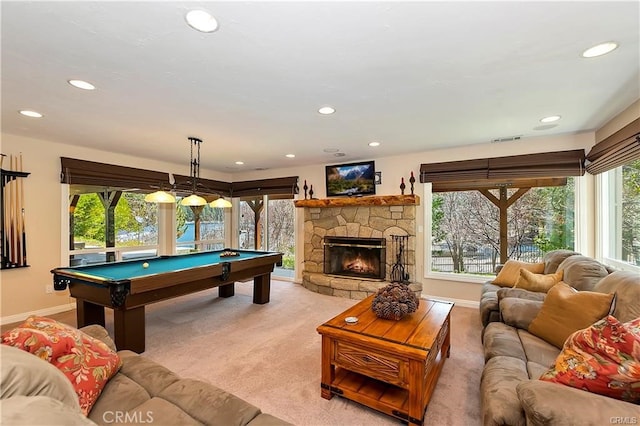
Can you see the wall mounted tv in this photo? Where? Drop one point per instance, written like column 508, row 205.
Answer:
column 349, row 180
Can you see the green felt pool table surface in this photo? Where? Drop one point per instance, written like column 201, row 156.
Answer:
column 127, row 270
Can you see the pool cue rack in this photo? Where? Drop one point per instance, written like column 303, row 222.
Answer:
column 12, row 225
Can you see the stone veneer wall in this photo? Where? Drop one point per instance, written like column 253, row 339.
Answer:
column 361, row 222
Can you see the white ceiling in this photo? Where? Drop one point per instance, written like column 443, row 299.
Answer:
column 413, row 75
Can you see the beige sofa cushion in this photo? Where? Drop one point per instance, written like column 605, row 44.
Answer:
column 626, row 286
column 553, row 404
column 40, row 410
column 582, row 272
column 24, row 374
column 145, row 388
column 540, row 283
column 565, row 311
column 554, row 258
column 510, row 272
column 518, row 312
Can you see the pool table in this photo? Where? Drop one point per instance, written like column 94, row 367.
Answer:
column 126, row 287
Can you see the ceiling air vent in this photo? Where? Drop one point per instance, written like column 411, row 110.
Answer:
column 507, row 139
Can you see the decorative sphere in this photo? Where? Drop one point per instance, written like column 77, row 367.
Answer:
column 145, row 265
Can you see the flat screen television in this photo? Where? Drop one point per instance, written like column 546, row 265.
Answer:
column 352, row 179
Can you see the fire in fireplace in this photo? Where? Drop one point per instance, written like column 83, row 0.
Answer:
column 355, row 257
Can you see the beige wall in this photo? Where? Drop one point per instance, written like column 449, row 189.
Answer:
column 23, row 290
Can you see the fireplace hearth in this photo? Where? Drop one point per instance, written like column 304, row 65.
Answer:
column 355, row 257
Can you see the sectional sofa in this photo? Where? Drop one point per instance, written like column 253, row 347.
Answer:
column 515, row 359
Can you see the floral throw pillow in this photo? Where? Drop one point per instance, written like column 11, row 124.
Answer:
column 87, row 362
column 603, row 359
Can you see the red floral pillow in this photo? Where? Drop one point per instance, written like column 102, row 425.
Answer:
column 603, row 359
column 87, row 362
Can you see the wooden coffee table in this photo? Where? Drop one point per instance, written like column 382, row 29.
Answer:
column 390, row 366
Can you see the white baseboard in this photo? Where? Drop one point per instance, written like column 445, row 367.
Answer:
column 40, row 312
column 458, row 302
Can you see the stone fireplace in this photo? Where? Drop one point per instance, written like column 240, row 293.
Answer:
column 345, row 221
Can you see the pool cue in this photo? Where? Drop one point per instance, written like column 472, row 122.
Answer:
column 5, row 221
column 22, row 222
column 14, row 193
column 12, row 242
column 18, row 218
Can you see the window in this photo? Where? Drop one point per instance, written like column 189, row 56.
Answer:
column 620, row 215
column 277, row 220
column 199, row 228
column 135, row 228
column 281, row 234
column 465, row 226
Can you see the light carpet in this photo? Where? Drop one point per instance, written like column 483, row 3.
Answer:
column 269, row 355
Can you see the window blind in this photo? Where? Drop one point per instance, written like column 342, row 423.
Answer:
column 620, row 148
column 501, row 171
column 82, row 172
column 285, row 186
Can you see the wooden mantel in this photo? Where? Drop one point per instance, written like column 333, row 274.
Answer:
column 375, row 200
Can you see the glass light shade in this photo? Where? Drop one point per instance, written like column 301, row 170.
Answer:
column 159, row 197
column 193, row 200
column 220, row 203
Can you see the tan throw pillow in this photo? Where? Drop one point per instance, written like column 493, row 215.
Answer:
column 566, row 310
column 537, row 282
column 510, row 272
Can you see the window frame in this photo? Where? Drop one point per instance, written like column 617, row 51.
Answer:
column 603, row 219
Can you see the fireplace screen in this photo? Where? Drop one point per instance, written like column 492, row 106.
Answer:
column 355, row 257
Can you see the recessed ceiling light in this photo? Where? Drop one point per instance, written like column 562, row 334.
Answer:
column 600, row 49
column 202, row 21
column 290, row 156
column 326, row 110
column 550, row 119
column 33, row 114
column 374, row 143
column 239, row 163
column 80, row 84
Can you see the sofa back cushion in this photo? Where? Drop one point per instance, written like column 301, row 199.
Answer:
column 24, row 374
column 554, row 258
column 582, row 272
column 626, row 286
column 565, row 311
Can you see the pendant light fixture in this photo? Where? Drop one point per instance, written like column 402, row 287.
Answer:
column 220, row 203
column 193, row 199
column 160, row 197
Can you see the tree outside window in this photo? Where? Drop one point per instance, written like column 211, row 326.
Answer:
column 466, row 228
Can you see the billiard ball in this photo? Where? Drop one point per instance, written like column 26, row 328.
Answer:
column 145, row 265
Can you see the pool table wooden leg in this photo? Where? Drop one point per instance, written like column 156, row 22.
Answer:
column 261, row 289
column 128, row 327
column 88, row 313
column 227, row 290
